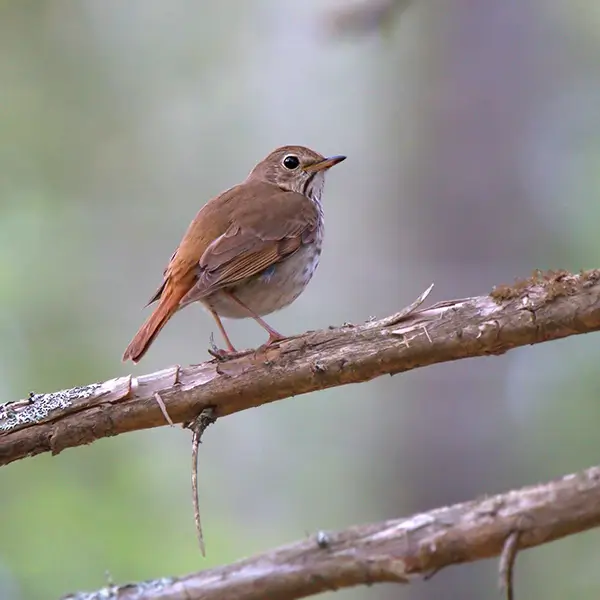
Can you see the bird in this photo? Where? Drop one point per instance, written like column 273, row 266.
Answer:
column 249, row 251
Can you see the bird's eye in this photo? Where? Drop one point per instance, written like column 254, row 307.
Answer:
column 291, row 162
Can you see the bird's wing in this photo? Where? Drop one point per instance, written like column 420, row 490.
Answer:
column 257, row 240
column 229, row 241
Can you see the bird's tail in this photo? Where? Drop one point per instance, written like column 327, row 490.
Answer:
column 167, row 307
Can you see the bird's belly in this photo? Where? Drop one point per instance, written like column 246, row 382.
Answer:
column 272, row 290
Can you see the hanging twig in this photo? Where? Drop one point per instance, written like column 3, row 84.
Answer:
column 198, row 427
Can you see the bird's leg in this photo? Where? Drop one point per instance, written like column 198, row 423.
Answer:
column 230, row 348
column 274, row 336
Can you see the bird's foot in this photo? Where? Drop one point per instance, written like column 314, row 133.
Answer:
column 222, row 354
column 274, row 338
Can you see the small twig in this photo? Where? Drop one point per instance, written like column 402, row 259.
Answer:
column 507, row 563
column 427, row 334
column 163, row 409
column 198, row 426
column 432, row 574
column 405, row 312
column 213, row 349
column 224, row 355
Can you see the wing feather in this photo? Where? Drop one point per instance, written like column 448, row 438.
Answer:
column 252, row 240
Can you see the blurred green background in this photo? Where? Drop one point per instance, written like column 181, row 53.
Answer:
column 473, row 134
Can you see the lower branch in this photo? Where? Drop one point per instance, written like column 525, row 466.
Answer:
column 398, row 551
column 548, row 306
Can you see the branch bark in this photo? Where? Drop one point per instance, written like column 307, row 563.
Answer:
column 547, row 306
column 398, row 550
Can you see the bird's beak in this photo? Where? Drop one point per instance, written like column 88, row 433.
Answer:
column 324, row 164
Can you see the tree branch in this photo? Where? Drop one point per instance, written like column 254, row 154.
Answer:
column 547, row 306
column 399, row 550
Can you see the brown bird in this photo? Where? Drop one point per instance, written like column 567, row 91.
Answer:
column 249, row 251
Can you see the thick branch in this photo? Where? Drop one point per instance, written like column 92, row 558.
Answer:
column 547, row 306
column 399, row 550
